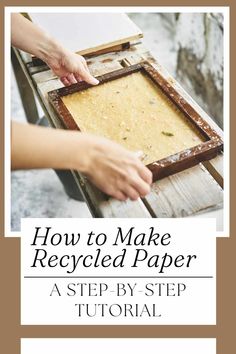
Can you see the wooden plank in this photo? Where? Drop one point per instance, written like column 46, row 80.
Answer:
column 115, row 48
column 215, row 167
column 113, row 208
column 73, row 30
column 184, row 194
column 26, row 57
column 36, row 69
column 43, row 89
column 47, row 75
column 101, row 64
column 109, row 62
column 39, row 62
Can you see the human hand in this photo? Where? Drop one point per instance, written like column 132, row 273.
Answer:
column 70, row 68
column 115, row 170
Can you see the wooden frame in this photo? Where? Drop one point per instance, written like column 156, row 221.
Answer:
column 171, row 164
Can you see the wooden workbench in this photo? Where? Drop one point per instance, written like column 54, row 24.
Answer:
column 193, row 192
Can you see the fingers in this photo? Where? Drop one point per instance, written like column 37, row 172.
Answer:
column 130, row 188
column 114, row 192
column 71, row 78
column 75, row 69
column 86, row 76
column 145, row 174
column 85, row 65
column 134, row 186
column 142, row 187
column 65, row 81
column 129, row 183
column 78, row 78
column 119, row 195
column 131, row 192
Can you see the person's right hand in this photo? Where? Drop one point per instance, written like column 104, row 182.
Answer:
column 109, row 166
column 115, row 170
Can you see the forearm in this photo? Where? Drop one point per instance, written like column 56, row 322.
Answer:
column 35, row 147
column 29, row 37
column 68, row 66
column 109, row 166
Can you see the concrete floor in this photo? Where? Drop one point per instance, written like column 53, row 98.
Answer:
column 39, row 193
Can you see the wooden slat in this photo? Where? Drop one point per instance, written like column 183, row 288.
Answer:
column 26, row 57
column 94, row 61
column 184, row 194
column 44, row 76
column 36, row 69
column 215, row 167
column 115, row 209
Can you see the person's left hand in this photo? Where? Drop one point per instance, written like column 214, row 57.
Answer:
column 71, row 68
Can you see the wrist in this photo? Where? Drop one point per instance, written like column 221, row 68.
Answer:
column 50, row 51
column 81, row 151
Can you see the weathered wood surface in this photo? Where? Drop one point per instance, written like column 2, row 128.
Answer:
column 216, row 169
column 188, row 193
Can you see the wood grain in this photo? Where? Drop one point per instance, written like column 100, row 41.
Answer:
column 215, row 167
column 184, row 194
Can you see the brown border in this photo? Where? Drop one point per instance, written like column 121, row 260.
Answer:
column 10, row 329
column 167, row 166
